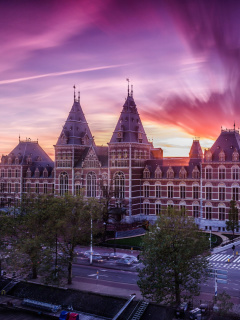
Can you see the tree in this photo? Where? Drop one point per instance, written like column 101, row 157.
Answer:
column 233, row 222
column 224, row 303
column 174, row 257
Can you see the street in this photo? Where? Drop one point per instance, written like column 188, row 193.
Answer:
column 112, row 274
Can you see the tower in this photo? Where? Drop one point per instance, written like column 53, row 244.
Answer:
column 74, row 139
column 129, row 149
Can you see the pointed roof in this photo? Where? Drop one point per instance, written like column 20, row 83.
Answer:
column 196, row 150
column 227, row 142
column 76, row 130
column 129, row 127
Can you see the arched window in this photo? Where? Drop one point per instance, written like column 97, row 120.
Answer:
column 195, row 173
column 221, row 211
column 208, row 211
column 195, row 209
column 182, row 190
column 221, row 173
column 63, row 183
column 208, row 172
column 157, row 207
column 146, row 189
column 235, row 172
column 182, row 207
column 91, row 184
column 221, row 191
column 77, row 189
column 119, row 185
column 146, row 207
column 208, row 189
column 235, row 191
column 195, row 190
column 157, row 190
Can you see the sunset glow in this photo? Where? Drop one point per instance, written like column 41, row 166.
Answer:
column 182, row 57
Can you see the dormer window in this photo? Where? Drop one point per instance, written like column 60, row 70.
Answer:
column 29, row 160
column 195, row 173
column 9, row 160
column 170, row 173
column 29, row 173
column 140, row 137
column 182, row 173
column 222, row 156
column 17, row 160
column 146, row 173
column 235, row 155
column 37, row 173
column 45, row 173
column 158, row 173
column 208, row 155
column 38, row 158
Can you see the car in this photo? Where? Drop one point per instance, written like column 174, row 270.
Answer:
column 88, row 253
column 204, row 308
column 181, row 309
column 125, row 262
column 96, row 258
column 195, row 314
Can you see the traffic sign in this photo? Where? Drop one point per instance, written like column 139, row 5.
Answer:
column 221, row 281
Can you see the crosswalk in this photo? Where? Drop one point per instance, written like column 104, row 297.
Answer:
column 221, row 261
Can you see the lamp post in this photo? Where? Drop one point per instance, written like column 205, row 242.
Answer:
column 91, row 251
column 210, row 239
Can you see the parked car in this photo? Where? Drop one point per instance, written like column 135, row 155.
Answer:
column 181, row 310
column 125, row 262
column 96, row 257
column 195, row 314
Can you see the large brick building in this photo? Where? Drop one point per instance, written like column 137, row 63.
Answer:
column 134, row 175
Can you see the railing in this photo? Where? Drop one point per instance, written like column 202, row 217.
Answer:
column 41, row 305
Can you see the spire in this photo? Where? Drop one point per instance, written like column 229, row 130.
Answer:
column 234, row 125
column 129, row 127
column 132, row 91
column 76, row 130
column 74, row 93
column 128, row 86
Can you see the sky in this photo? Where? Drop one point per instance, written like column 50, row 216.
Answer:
column 182, row 58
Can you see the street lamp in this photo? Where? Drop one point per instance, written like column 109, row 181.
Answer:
column 91, row 251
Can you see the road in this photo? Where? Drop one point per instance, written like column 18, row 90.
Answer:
column 113, row 274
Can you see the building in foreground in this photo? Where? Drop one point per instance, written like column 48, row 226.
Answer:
column 134, row 175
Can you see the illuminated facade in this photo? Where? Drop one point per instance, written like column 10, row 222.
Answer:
column 134, row 175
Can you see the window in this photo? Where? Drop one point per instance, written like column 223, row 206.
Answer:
column 182, row 192
column 221, row 173
column 209, row 173
column 91, row 184
column 183, row 173
column 2, row 187
column 28, row 187
column 195, row 192
column 170, row 191
column 157, row 208
column 208, row 213
column 16, row 187
column 146, row 208
column 9, row 187
column 235, row 173
column 77, row 189
column 222, row 193
column 158, row 173
column 37, row 187
column 235, row 193
column 170, row 173
column 9, row 173
column 221, row 213
column 235, row 155
column 146, row 189
column 195, row 173
column 222, row 156
column 208, row 193
column 196, row 211
column 182, row 208
column 45, row 173
column 146, row 173
column 158, row 190
column 45, row 188
column 63, row 183
column 2, row 173
column 119, row 185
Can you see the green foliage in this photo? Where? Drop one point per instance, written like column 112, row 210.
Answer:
column 224, row 303
column 233, row 221
column 174, row 257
